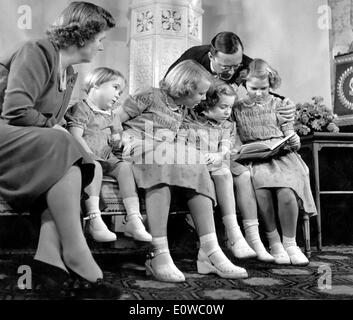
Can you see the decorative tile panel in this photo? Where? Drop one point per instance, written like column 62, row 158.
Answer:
column 171, row 20
column 141, row 67
column 144, row 21
column 161, row 30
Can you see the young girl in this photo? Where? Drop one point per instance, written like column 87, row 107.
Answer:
column 94, row 124
column 258, row 118
column 210, row 129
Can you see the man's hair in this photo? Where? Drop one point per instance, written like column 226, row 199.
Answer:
column 184, row 78
column 78, row 23
column 226, row 42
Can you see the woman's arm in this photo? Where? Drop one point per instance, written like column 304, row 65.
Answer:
column 29, row 75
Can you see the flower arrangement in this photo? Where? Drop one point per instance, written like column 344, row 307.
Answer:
column 313, row 117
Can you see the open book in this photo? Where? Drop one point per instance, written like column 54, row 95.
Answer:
column 260, row 149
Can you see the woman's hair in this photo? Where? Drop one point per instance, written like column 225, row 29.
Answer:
column 184, row 78
column 213, row 95
column 99, row 76
column 226, row 42
column 78, row 23
column 260, row 69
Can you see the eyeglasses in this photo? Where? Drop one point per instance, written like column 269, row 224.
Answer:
column 228, row 67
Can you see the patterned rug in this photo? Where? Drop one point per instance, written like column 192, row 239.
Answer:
column 329, row 276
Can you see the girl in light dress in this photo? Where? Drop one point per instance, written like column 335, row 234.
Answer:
column 97, row 127
column 152, row 120
column 211, row 130
column 284, row 177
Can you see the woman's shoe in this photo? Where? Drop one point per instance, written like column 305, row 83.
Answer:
column 98, row 290
column 51, row 281
column 97, row 229
column 222, row 266
column 166, row 272
column 135, row 228
column 241, row 249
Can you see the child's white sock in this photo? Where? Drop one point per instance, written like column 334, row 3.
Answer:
column 132, row 205
column 232, row 228
column 92, row 205
column 97, row 228
column 209, row 243
column 160, row 242
column 289, row 242
column 251, row 227
column 134, row 226
column 274, row 241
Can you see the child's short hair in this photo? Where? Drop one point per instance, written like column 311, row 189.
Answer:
column 260, row 69
column 183, row 79
column 218, row 88
column 99, row 76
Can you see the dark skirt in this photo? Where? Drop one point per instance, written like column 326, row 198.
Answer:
column 33, row 159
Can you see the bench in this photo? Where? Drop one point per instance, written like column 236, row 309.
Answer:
column 115, row 209
column 113, row 213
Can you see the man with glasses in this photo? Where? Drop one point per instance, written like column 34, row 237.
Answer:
column 223, row 57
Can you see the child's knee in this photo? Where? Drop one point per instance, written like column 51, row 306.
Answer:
column 223, row 176
column 97, row 166
column 243, row 179
column 286, row 196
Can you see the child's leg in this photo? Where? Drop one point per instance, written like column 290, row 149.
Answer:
column 226, row 200
column 96, row 226
column 211, row 258
column 134, row 226
column 160, row 264
column 248, row 208
column 267, row 211
column 288, row 215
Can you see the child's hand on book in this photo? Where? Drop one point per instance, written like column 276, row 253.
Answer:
column 213, row 158
column 293, row 143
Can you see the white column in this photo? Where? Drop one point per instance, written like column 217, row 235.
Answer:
column 160, row 31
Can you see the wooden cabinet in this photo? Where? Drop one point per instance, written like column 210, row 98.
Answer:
column 329, row 157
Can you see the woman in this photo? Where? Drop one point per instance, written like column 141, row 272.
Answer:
column 42, row 168
column 152, row 121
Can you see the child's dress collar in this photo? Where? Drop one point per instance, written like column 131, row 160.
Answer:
column 96, row 109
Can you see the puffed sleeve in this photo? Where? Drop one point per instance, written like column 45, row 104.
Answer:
column 134, row 105
column 286, row 113
column 29, row 74
column 77, row 116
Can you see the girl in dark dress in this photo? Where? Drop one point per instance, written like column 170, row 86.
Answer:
column 42, row 167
